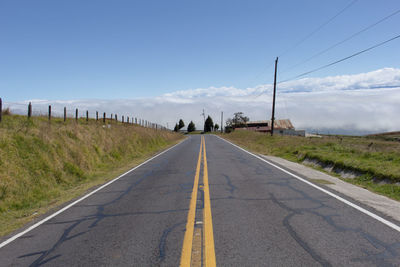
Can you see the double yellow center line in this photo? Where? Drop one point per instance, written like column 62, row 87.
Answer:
column 208, row 236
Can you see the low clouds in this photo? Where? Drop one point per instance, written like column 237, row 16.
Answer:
column 361, row 103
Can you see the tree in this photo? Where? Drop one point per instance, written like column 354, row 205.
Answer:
column 176, row 129
column 216, row 127
column 191, row 127
column 181, row 124
column 238, row 120
column 208, row 124
column 229, row 123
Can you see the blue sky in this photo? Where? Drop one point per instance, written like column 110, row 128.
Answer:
column 129, row 49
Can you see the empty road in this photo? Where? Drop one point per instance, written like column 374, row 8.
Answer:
column 207, row 202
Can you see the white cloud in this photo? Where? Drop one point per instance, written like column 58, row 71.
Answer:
column 366, row 102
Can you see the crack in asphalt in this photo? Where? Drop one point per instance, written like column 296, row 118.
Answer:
column 43, row 254
column 232, row 188
column 381, row 258
column 163, row 240
column 98, row 217
column 388, row 252
column 292, row 232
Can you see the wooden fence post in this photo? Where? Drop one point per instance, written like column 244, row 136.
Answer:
column 111, row 116
column 116, row 118
column 127, row 119
column 65, row 114
column 29, row 110
column 87, row 115
column 122, row 118
column 49, row 112
column 76, row 114
column 97, row 115
column 1, row 108
column 104, row 117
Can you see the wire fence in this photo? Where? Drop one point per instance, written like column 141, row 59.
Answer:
column 69, row 113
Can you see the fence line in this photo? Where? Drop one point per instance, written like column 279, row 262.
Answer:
column 67, row 114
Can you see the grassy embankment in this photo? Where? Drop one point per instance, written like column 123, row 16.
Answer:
column 43, row 165
column 374, row 160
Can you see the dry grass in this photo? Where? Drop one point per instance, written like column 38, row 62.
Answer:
column 43, row 164
column 373, row 158
column 380, row 158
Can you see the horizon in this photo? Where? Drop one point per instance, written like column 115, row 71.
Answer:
column 312, row 104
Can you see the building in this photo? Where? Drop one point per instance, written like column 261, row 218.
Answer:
column 282, row 127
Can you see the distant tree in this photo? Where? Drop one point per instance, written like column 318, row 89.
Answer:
column 216, row 127
column 176, row 129
column 238, row 121
column 208, row 124
column 181, row 124
column 191, row 127
column 229, row 123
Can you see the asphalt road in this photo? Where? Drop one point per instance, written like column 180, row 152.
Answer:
column 259, row 216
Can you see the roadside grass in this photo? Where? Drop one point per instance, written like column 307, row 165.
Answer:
column 43, row 165
column 375, row 161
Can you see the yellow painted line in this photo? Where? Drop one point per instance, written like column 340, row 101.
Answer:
column 188, row 239
column 209, row 250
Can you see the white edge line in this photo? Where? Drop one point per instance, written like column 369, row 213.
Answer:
column 11, row 239
column 373, row 215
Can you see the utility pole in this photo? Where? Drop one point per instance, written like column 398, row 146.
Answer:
column 222, row 119
column 273, row 100
column 204, row 117
column 1, row 108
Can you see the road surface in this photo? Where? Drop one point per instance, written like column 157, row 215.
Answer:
column 207, row 203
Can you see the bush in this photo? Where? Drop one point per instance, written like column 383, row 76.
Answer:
column 191, row 127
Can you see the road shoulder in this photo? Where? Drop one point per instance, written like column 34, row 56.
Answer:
column 380, row 203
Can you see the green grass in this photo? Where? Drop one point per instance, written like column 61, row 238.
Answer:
column 44, row 164
column 373, row 158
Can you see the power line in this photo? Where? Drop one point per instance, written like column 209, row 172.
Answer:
column 264, row 70
column 344, row 40
column 268, row 67
column 318, row 28
column 343, row 59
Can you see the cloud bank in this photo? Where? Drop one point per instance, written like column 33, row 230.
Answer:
column 347, row 104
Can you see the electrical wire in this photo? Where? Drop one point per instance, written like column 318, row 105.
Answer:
column 268, row 67
column 341, row 60
column 318, row 28
column 343, row 41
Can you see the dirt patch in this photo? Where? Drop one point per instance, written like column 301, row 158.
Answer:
column 321, row 181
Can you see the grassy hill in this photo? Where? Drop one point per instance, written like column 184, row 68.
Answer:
column 44, row 164
column 374, row 160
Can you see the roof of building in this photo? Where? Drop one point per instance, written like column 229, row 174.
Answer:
column 278, row 124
